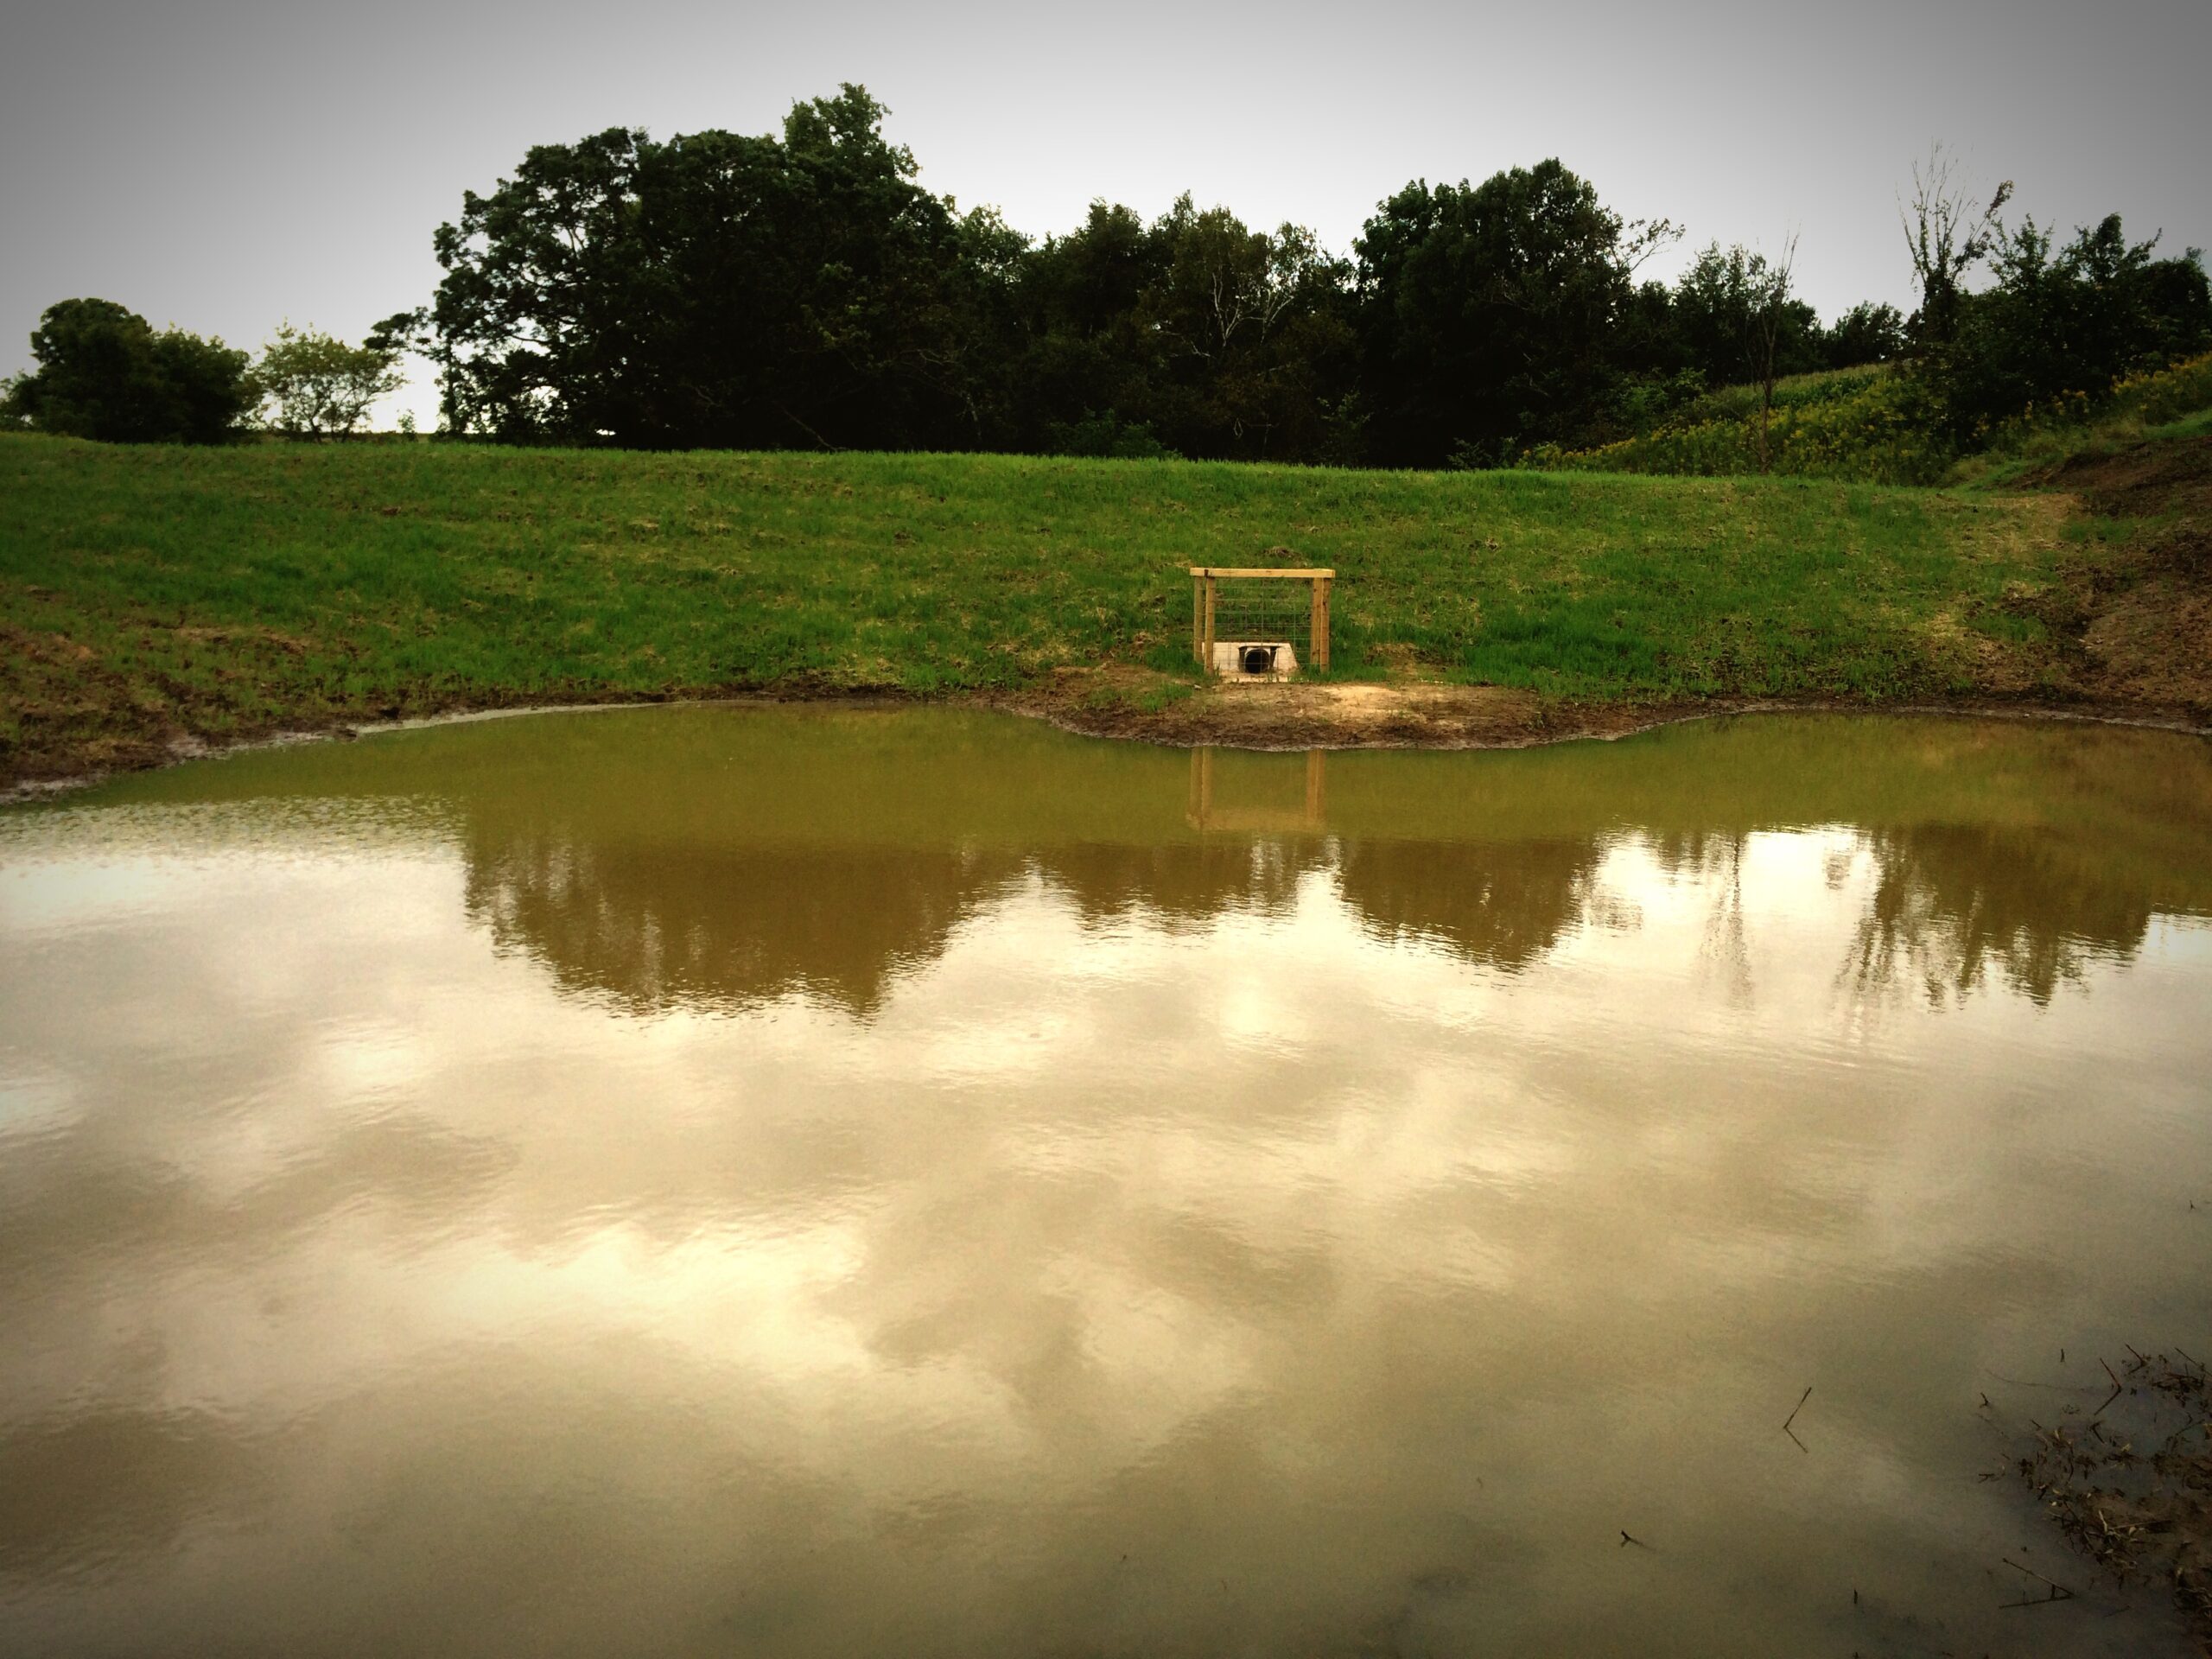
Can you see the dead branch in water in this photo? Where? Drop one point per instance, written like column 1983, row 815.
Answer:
column 1792, row 1418
column 2056, row 1592
column 2143, row 1517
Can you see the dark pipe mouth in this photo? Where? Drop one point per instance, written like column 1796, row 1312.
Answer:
column 1258, row 659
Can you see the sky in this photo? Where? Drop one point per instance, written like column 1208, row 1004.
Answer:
column 226, row 165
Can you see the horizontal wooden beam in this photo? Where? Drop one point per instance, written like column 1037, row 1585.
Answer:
column 1223, row 571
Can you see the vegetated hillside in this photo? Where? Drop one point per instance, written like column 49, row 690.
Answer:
column 1875, row 424
column 149, row 593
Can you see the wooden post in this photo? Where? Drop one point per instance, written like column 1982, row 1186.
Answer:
column 1316, row 785
column 1206, row 617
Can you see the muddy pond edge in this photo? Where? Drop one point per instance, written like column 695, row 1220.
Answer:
column 1263, row 719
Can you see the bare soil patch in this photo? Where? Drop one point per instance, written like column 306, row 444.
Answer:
column 2156, row 477
column 1409, row 714
column 2132, row 617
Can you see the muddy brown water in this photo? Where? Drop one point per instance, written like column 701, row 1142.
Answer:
column 802, row 1182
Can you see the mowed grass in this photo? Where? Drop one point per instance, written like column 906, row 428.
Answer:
column 225, row 591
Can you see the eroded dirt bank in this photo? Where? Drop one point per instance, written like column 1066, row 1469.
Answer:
column 2131, row 617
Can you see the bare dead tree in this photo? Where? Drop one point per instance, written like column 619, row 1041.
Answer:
column 1293, row 253
column 1767, row 287
column 1231, row 296
column 1946, row 237
column 1641, row 238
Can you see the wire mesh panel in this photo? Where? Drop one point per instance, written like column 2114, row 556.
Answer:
column 1272, row 607
column 1255, row 609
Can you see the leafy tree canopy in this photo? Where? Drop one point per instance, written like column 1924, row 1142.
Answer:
column 1487, row 312
column 1195, row 332
column 314, row 385
column 1718, row 305
column 2068, row 321
column 714, row 289
column 802, row 288
column 103, row 372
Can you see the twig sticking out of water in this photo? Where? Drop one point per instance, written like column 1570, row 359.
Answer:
column 1799, row 1407
column 2056, row 1592
column 2109, row 1398
column 1626, row 1540
column 1792, row 1418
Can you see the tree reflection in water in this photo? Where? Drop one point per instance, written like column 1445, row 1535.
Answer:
column 1501, row 906
column 732, row 908
column 1024, row 1223
column 1951, row 901
column 721, row 928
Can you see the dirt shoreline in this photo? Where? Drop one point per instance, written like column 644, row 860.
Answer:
column 1264, row 717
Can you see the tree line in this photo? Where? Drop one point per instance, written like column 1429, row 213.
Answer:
column 804, row 290
column 103, row 372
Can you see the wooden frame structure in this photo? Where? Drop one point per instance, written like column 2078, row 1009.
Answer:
column 1204, row 579
column 1202, row 814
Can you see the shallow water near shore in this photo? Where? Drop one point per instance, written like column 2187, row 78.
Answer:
column 810, row 1181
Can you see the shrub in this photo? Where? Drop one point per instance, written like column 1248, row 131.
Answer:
column 102, row 372
column 1857, row 423
column 2167, row 394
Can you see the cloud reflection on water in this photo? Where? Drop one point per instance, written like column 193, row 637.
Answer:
column 1029, row 1222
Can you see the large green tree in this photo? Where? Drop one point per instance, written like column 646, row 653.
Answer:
column 1193, row 334
column 1724, row 305
column 1871, row 332
column 2068, row 319
column 103, row 372
column 1489, row 313
column 1089, row 376
column 712, row 289
column 1254, row 335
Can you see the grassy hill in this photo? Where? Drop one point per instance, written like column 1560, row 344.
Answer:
column 1866, row 423
column 151, row 594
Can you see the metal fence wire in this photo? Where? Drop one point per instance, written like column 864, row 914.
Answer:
column 1269, row 610
column 1268, row 605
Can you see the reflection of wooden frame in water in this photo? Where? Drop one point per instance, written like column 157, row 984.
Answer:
column 1202, row 814
column 1205, row 602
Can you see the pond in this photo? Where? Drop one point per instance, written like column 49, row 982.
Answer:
column 744, row 1180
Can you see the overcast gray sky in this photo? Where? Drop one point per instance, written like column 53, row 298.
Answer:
column 225, row 164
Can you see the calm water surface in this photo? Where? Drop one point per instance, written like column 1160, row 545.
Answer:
column 727, row 1181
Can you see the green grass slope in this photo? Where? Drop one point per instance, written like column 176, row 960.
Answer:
column 1869, row 424
column 151, row 592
